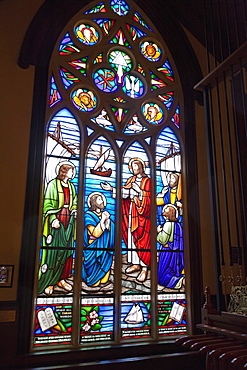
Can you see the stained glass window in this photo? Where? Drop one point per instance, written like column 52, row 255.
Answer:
column 111, row 249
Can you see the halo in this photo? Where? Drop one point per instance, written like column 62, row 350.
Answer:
column 66, row 163
column 96, row 193
column 173, row 206
column 136, row 159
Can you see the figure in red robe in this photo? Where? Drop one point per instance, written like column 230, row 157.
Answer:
column 136, row 218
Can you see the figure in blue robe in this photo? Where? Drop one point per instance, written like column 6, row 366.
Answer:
column 99, row 232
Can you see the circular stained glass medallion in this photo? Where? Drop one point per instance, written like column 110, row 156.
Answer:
column 87, row 34
column 150, row 51
column 120, row 7
column 121, row 62
column 153, row 113
column 105, row 80
column 84, row 100
column 133, row 86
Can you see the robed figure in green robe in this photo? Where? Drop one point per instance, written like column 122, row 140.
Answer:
column 59, row 212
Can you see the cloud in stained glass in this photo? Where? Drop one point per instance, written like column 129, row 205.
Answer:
column 134, row 126
column 55, row 96
column 105, row 24
column 121, row 62
column 151, row 51
column 84, row 99
column 133, row 86
column 89, row 131
column 87, row 34
column 105, row 80
column 103, row 120
column 68, row 78
column 148, row 140
column 67, row 46
column 120, row 7
column 168, row 155
column 63, row 141
column 153, row 113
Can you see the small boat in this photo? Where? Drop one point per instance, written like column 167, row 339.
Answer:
column 135, row 315
column 98, row 169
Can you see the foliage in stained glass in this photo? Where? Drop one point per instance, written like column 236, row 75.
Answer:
column 167, row 70
column 119, row 99
column 119, row 113
column 55, row 96
column 96, row 9
column 68, row 78
column 97, row 319
column 120, row 7
column 135, row 32
column 167, row 98
column 80, row 65
column 98, row 59
column 67, row 46
column 87, row 34
column 140, row 69
column 156, row 82
column 137, row 17
column 120, row 39
column 105, row 24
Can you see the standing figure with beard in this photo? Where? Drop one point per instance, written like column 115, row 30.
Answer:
column 98, row 241
column 60, row 210
column 136, row 218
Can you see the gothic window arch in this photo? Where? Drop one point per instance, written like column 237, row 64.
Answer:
column 111, row 247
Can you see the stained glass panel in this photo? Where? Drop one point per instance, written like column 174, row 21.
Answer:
column 87, row 34
column 120, row 7
column 121, row 89
column 151, row 51
column 84, row 99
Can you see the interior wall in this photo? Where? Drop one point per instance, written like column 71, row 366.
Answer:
column 15, row 107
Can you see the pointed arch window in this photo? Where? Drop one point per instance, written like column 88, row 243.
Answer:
column 111, row 258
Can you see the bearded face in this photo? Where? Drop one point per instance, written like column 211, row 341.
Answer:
column 137, row 168
column 173, row 182
column 96, row 202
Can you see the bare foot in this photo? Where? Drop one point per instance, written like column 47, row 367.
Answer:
column 49, row 290
column 132, row 269
column 142, row 276
column 64, row 285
